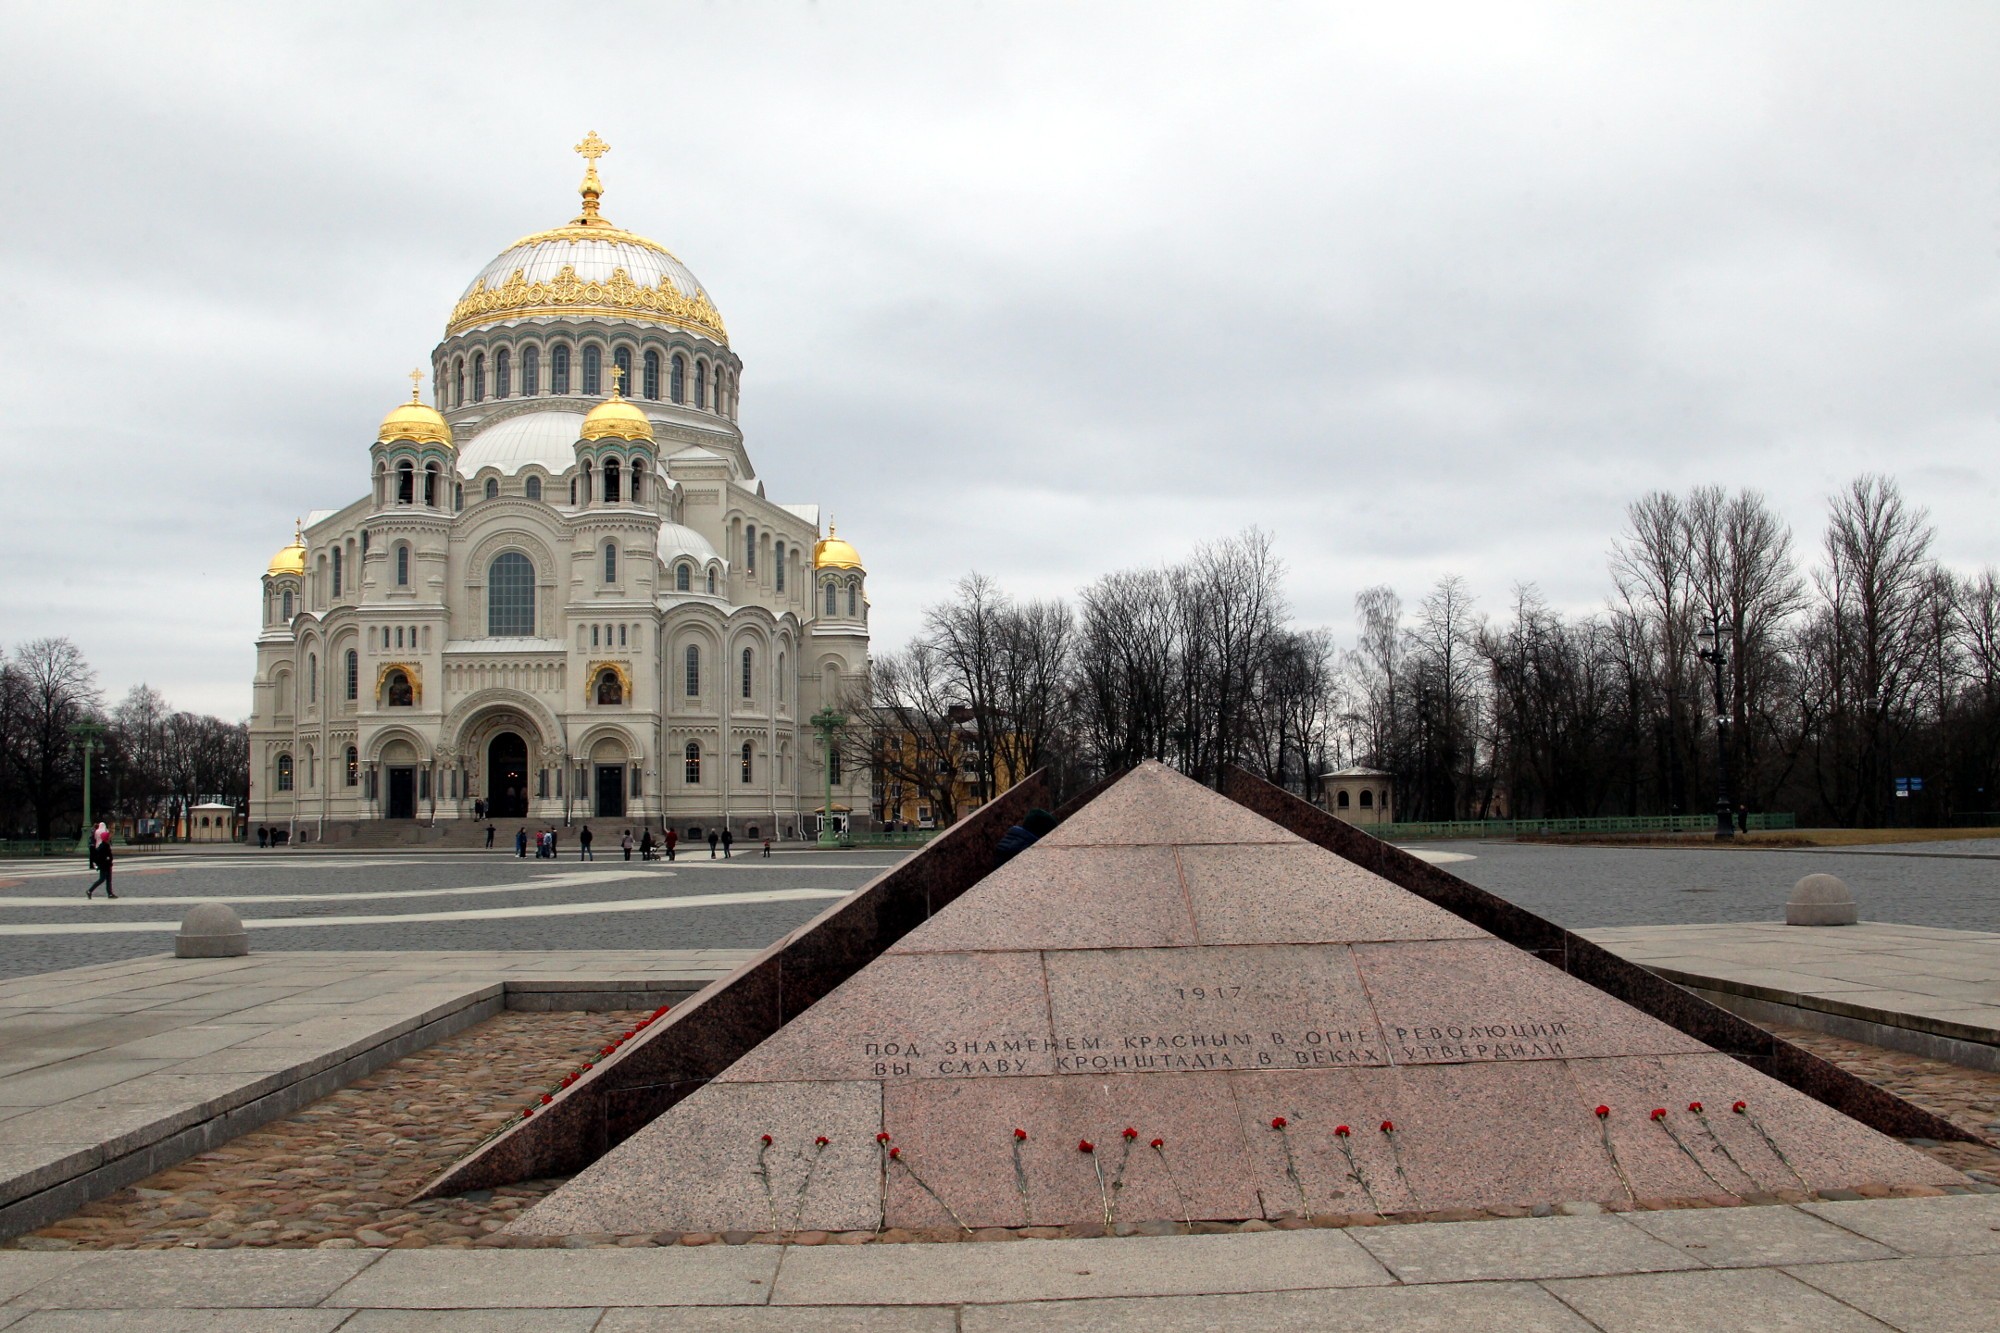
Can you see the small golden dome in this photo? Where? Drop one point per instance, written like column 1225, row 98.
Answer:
column 291, row 560
column 616, row 419
column 833, row 553
column 414, row 421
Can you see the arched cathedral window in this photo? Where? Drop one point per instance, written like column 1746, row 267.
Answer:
column 691, row 764
column 832, row 606
column 503, row 372
column 336, row 571
column 610, row 562
column 682, row 577
column 711, row 586
column 650, row 385
column 402, row 566
column 611, row 478
column 853, row 590
column 701, row 384
column 559, row 368
column 778, row 564
column 677, row 380
column 353, row 766
column 593, row 368
column 691, row 667
column 492, row 489
column 406, row 483
column 750, row 548
column 431, row 486
column 510, row 596
column 284, row 772
column 534, row 488
column 285, row 605
column 531, row 371
column 749, row 662
column 353, row 675
column 746, row 763
column 478, row 376
column 312, row 678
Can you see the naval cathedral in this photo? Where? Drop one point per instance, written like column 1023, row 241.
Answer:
column 564, row 592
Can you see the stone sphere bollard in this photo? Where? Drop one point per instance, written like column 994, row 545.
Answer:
column 211, row 930
column 1820, row 900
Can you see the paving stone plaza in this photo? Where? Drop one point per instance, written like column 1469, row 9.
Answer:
column 122, row 1067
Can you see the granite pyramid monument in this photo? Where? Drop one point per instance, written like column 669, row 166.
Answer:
column 1172, row 1008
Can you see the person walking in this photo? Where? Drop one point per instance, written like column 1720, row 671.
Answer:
column 489, row 837
column 673, row 837
column 767, row 846
column 625, row 843
column 727, row 839
column 521, row 843
column 263, row 836
column 583, row 841
column 100, row 861
column 646, row 845
column 713, row 839
column 553, row 846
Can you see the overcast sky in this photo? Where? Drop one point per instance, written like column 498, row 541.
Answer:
column 1042, row 290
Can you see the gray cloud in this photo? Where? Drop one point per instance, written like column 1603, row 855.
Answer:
column 1041, row 289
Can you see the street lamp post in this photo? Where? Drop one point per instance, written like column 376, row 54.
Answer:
column 1714, row 650
column 828, row 722
column 87, row 734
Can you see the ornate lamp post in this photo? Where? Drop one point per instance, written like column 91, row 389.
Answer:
column 1714, row 650
column 828, row 722
column 87, row 734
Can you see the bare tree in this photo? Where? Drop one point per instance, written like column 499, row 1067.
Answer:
column 57, row 689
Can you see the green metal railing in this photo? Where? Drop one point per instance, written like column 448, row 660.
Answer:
column 913, row 838
column 1510, row 828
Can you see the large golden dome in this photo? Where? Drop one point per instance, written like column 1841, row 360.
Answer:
column 588, row 267
column 414, row 421
column 833, row 553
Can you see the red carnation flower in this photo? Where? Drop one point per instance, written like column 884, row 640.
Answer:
column 1279, row 1122
column 767, row 1140
column 1695, row 1107
column 527, row 1111
column 1131, row 1133
column 821, row 1140
column 895, row 1154
column 1341, row 1130
column 1388, row 1127
column 883, row 1137
column 607, row 1050
column 1021, row 1134
column 546, row 1099
column 1740, row 1107
column 1659, row 1113
column 587, row 1064
column 660, row 1012
column 1159, row 1143
column 1603, row 1111
column 1085, row 1145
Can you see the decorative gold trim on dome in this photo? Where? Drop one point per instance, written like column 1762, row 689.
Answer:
column 567, row 295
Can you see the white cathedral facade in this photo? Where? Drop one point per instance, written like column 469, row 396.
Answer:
column 564, row 594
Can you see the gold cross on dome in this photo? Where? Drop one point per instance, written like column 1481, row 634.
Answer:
column 592, row 148
column 416, row 379
column 617, row 378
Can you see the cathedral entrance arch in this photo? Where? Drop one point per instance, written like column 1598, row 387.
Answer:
column 507, row 776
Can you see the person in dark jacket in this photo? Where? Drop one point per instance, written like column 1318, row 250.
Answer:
column 713, row 839
column 521, row 843
column 583, row 841
column 727, row 839
column 100, row 861
column 1025, row 834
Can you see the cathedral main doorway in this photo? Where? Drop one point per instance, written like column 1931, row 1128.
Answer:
column 507, row 776
column 610, row 791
